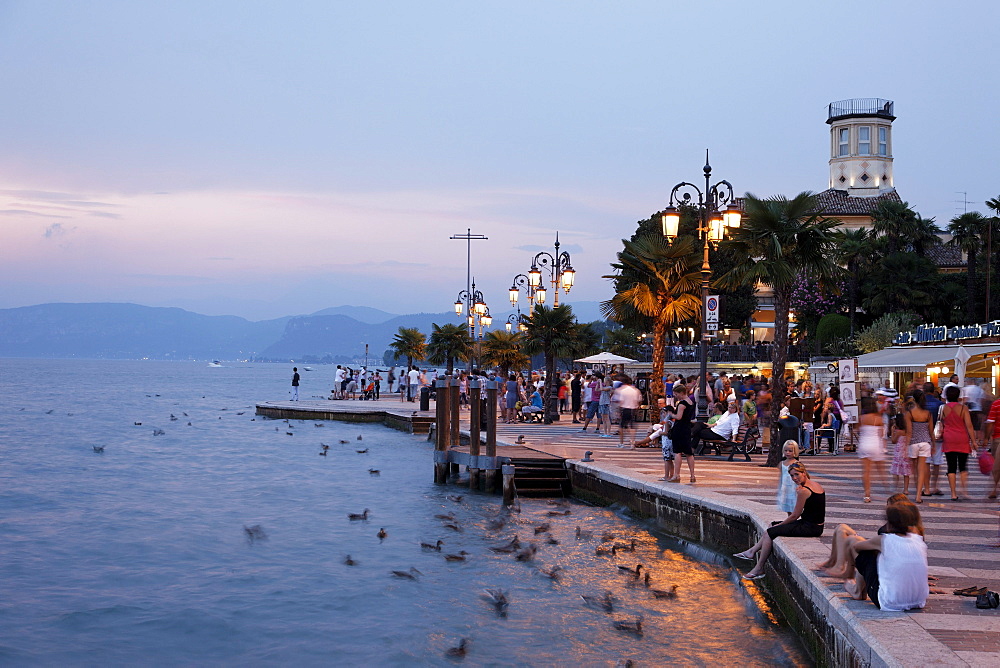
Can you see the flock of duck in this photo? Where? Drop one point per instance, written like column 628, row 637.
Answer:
column 609, row 544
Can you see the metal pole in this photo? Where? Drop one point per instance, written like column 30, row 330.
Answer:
column 475, row 409
column 706, row 273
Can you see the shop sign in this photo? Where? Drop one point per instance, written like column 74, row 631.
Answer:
column 936, row 333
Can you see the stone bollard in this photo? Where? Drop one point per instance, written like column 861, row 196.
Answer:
column 442, row 427
column 491, row 432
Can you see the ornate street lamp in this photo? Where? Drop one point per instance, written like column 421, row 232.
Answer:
column 717, row 212
column 561, row 273
column 474, row 304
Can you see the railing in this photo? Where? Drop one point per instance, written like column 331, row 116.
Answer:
column 865, row 105
column 726, row 353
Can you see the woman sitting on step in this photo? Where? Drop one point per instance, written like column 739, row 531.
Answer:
column 841, row 561
column 891, row 569
column 806, row 521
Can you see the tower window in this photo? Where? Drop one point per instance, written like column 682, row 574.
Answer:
column 883, row 141
column 864, row 140
column 843, row 142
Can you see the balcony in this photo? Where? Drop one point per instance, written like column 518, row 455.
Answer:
column 860, row 107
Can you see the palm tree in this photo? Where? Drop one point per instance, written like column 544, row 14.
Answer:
column 894, row 222
column 779, row 239
column 657, row 282
column 505, row 351
column 449, row 342
column 855, row 249
column 550, row 330
column 410, row 343
column 924, row 234
column 967, row 234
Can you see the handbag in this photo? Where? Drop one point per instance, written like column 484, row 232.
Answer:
column 939, row 424
column 986, row 462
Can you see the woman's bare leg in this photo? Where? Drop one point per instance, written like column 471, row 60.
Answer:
column 866, row 476
column 839, row 534
column 919, row 466
column 763, row 551
column 845, row 558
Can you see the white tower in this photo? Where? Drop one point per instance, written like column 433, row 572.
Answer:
column 861, row 146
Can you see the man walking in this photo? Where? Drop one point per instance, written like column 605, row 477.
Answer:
column 295, row 383
column 629, row 397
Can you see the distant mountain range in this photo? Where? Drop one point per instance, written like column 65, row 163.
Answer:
column 131, row 331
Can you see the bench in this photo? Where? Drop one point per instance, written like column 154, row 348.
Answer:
column 745, row 443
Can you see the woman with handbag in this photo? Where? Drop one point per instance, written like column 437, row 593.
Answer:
column 959, row 441
column 918, row 436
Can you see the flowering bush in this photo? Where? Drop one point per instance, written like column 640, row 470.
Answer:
column 812, row 299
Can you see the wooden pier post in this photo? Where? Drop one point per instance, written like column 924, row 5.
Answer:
column 455, row 410
column 508, row 484
column 475, row 409
column 491, row 432
column 443, row 431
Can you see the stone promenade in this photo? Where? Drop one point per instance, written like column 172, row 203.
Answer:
column 961, row 537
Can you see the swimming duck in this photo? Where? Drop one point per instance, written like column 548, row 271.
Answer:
column 454, row 497
column 362, row 516
column 631, row 571
column 453, row 527
column 527, row 553
column 634, row 627
column 557, row 513
column 498, row 598
column 552, row 540
column 374, row 472
column 435, row 546
column 407, row 575
column 497, row 524
column 359, row 437
column 602, row 550
column 669, row 593
column 581, row 534
column 460, row 650
column 361, row 452
column 382, row 534
column 512, row 546
column 604, row 602
column 551, row 573
column 325, row 446
column 343, row 442
column 449, row 517
column 98, row 448
column 626, row 547
column 456, row 557
column 349, row 562
column 542, row 528
column 322, row 453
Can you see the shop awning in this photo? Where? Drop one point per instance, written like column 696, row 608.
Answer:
column 918, row 358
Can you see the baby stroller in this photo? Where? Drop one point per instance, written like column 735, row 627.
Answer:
column 369, row 392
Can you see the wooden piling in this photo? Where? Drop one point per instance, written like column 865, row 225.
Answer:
column 455, row 410
column 508, row 484
column 491, row 432
column 475, row 409
column 441, row 426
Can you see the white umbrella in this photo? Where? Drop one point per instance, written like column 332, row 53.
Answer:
column 961, row 358
column 606, row 358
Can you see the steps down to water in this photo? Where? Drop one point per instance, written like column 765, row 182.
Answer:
column 540, row 477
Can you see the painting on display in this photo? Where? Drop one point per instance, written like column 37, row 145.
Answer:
column 852, row 414
column 848, row 370
column 849, row 394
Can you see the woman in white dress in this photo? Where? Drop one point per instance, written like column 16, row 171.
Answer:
column 786, row 486
column 871, row 444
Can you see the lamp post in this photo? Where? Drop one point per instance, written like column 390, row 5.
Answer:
column 473, row 303
column 717, row 210
column 561, row 274
column 515, row 319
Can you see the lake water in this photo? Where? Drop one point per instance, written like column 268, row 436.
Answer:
column 138, row 555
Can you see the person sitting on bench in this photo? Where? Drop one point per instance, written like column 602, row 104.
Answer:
column 535, row 406
column 723, row 431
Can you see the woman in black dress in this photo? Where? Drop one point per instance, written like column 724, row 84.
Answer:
column 806, row 521
column 680, row 433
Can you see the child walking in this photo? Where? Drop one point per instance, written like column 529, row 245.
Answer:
column 900, row 460
column 671, row 472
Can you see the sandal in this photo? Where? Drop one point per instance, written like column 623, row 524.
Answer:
column 676, row 478
column 743, row 555
column 693, row 479
column 868, row 499
column 747, row 576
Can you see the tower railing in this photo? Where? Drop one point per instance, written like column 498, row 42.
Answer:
column 874, row 106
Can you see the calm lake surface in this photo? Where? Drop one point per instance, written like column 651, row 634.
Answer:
column 138, row 555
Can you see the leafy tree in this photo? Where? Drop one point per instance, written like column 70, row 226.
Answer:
column 505, row 351
column 550, row 330
column 967, row 234
column 880, row 334
column 656, row 280
column 832, row 328
column 901, row 282
column 410, row 343
column 586, row 341
column 449, row 342
column 780, row 239
column 624, row 342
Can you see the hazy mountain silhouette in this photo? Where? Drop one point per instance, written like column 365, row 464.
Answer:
column 130, row 331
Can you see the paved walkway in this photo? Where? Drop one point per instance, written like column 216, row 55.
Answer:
column 960, row 535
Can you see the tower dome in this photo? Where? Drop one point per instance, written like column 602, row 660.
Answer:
column 861, row 146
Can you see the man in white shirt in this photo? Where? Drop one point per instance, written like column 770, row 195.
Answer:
column 628, row 397
column 338, row 381
column 413, row 376
column 972, row 396
column 722, row 431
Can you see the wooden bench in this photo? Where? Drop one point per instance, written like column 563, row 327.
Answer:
column 744, row 444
